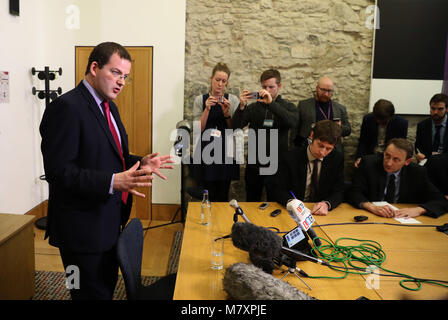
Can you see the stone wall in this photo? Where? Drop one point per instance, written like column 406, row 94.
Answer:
column 304, row 40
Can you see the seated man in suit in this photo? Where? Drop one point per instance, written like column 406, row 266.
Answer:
column 392, row 177
column 378, row 127
column 321, row 107
column 432, row 136
column 314, row 173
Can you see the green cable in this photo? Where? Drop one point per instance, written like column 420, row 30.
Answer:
column 367, row 252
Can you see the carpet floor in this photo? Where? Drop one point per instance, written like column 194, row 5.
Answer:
column 50, row 285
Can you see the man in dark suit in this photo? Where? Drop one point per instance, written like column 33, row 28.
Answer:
column 432, row 135
column 321, row 107
column 314, row 173
column 90, row 172
column 392, row 177
column 378, row 127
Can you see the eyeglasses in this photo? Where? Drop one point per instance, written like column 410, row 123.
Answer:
column 118, row 75
column 329, row 91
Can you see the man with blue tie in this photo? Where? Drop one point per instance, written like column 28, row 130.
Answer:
column 392, row 177
column 91, row 174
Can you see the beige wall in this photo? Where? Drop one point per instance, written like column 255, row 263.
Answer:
column 46, row 33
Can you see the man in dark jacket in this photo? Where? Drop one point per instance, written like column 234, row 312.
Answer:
column 393, row 178
column 378, row 127
column 314, row 173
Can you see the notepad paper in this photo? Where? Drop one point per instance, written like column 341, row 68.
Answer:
column 401, row 220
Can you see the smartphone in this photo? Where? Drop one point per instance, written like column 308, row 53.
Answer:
column 255, row 95
column 276, row 212
column 263, row 206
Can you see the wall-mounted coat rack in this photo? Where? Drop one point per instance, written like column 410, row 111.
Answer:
column 47, row 75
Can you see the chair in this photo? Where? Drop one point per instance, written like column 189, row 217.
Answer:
column 129, row 252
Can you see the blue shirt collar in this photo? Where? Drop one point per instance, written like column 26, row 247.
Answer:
column 95, row 95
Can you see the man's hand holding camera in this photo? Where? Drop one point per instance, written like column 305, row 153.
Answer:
column 261, row 96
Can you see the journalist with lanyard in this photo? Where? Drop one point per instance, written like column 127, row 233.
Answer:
column 214, row 111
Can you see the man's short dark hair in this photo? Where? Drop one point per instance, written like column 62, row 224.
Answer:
column 439, row 97
column 383, row 109
column 402, row 144
column 102, row 53
column 271, row 73
column 327, row 131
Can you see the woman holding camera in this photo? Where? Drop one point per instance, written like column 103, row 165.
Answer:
column 214, row 110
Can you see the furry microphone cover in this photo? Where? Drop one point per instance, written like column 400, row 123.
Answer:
column 247, row 282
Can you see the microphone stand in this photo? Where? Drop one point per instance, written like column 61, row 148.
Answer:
column 292, row 269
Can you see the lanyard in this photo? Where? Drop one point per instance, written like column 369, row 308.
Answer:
column 327, row 116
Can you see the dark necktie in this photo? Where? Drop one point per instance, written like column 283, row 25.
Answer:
column 390, row 192
column 314, row 181
column 106, row 109
column 436, row 143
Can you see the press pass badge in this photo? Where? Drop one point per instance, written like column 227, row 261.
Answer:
column 268, row 123
column 216, row 133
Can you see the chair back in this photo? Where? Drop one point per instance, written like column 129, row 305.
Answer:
column 129, row 252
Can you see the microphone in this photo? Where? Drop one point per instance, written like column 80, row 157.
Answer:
column 234, row 204
column 296, row 253
column 264, row 246
column 303, row 217
column 247, row 282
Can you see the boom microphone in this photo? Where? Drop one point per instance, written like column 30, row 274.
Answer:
column 234, row 204
column 303, row 217
column 264, row 246
column 247, row 282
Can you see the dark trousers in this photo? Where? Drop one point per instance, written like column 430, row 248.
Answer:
column 255, row 183
column 98, row 274
column 218, row 191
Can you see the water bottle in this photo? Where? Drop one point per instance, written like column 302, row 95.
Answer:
column 206, row 210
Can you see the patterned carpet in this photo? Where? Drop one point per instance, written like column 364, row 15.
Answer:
column 50, row 285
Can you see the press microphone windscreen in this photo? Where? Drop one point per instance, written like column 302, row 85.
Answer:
column 247, row 282
column 262, row 244
column 247, row 236
column 233, row 203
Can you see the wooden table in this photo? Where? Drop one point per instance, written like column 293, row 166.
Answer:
column 16, row 256
column 420, row 252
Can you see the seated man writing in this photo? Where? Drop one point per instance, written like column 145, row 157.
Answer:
column 392, row 177
column 314, row 173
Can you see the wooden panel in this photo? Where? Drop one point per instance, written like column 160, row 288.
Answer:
column 40, row 210
column 165, row 212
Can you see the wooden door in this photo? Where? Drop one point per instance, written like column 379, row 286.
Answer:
column 135, row 106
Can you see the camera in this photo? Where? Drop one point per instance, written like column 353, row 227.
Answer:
column 255, row 95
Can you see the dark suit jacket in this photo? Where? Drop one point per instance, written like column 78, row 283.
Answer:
column 369, row 183
column 423, row 139
column 437, row 167
column 80, row 156
column 291, row 176
column 307, row 116
column 397, row 127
